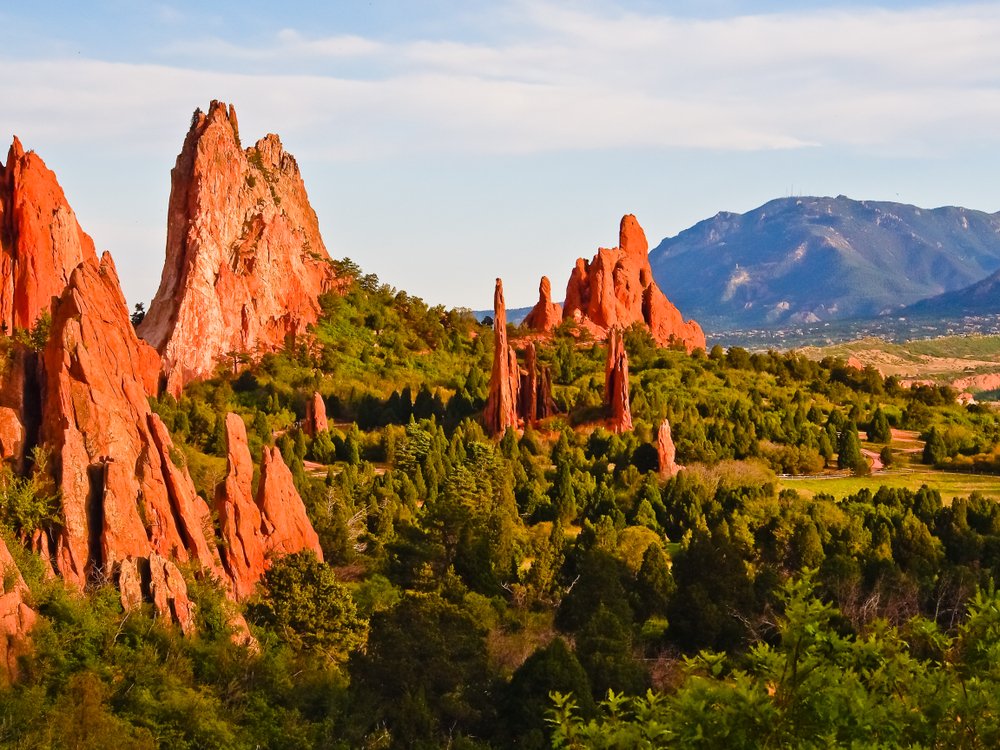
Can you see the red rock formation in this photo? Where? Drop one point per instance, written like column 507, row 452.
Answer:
column 501, row 406
column 122, row 495
column 17, row 378
column 239, row 516
column 245, row 261
column 666, row 451
column 315, row 421
column 616, row 288
column 40, row 239
column 169, row 593
column 16, row 617
column 616, row 389
column 535, row 389
column 285, row 524
column 546, row 314
column 253, row 530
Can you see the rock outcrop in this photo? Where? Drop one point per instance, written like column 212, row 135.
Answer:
column 16, row 617
column 245, row 262
column 546, row 314
column 122, row 495
column 285, row 525
column 239, row 516
column 315, row 421
column 255, row 530
column 616, row 288
column 616, row 388
column 41, row 241
column 505, row 381
column 535, row 389
column 666, row 451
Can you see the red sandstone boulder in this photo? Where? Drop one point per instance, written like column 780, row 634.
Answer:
column 169, row 593
column 616, row 288
column 546, row 314
column 616, row 388
column 501, row 406
column 245, row 262
column 315, row 421
column 16, row 617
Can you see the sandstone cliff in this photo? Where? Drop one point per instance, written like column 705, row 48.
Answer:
column 245, row 261
column 122, row 496
column 41, row 243
column 40, row 239
column 616, row 288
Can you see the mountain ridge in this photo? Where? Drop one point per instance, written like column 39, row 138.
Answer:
column 808, row 259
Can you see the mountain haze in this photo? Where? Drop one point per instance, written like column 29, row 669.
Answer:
column 807, row 259
column 981, row 298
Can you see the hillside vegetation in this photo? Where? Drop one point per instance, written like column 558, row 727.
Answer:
column 470, row 577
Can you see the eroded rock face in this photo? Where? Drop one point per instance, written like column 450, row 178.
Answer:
column 666, row 451
column 245, row 262
column 239, row 516
column 616, row 288
column 505, row 381
column 16, row 617
column 169, row 593
column 256, row 530
column 121, row 493
column 40, row 239
column 546, row 314
column 315, row 421
column 285, row 524
column 616, row 388
column 41, row 243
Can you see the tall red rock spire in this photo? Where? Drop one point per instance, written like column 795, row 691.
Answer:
column 40, row 239
column 616, row 288
column 666, row 452
column 245, row 262
column 616, row 388
column 501, row 406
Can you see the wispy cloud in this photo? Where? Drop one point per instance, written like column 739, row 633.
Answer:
column 560, row 78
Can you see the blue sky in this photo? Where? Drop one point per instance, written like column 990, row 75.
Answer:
column 444, row 144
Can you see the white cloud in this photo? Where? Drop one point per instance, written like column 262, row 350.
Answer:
column 561, row 79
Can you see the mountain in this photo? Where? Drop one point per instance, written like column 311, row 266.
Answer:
column 801, row 260
column 981, row 298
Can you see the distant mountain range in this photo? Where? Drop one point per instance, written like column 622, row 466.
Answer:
column 981, row 298
column 804, row 259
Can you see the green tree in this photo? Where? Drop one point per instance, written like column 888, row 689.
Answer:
column 302, row 601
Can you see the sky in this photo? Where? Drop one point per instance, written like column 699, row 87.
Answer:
column 444, row 144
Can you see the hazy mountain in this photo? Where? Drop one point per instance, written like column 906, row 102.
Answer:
column 981, row 298
column 798, row 260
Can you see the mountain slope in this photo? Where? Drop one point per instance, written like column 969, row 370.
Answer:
column 808, row 259
column 981, row 298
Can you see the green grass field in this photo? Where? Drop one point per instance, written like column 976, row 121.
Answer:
column 950, row 485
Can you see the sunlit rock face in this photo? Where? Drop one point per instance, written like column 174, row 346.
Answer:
column 245, row 262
